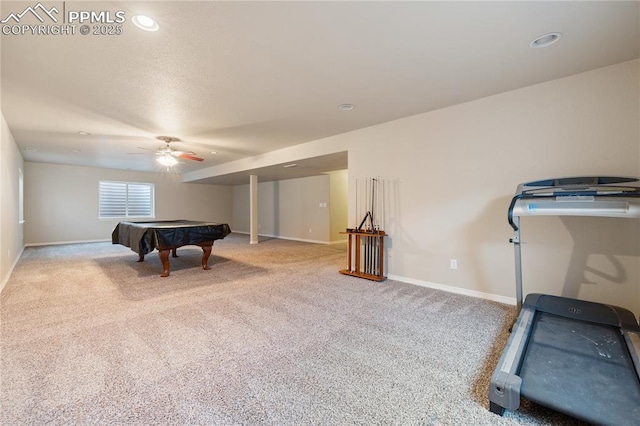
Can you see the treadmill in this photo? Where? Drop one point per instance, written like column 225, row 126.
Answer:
column 577, row 357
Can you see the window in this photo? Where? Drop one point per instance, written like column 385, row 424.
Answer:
column 124, row 199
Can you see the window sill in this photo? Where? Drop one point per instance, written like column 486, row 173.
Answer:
column 126, row 219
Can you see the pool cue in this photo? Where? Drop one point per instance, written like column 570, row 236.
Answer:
column 370, row 203
column 366, row 250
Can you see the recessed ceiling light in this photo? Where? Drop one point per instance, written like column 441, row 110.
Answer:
column 84, row 133
column 145, row 23
column 545, row 40
column 346, row 107
column 30, row 148
column 291, row 165
column 75, row 150
column 213, row 152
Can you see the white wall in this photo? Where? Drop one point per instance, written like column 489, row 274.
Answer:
column 287, row 209
column 61, row 202
column 11, row 230
column 452, row 172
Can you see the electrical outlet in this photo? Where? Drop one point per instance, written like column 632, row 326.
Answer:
column 454, row 264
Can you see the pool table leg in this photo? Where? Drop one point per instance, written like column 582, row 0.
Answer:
column 206, row 252
column 141, row 257
column 173, row 252
column 164, row 258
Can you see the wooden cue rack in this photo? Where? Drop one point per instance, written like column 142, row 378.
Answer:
column 366, row 254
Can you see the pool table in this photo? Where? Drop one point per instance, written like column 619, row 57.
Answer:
column 166, row 236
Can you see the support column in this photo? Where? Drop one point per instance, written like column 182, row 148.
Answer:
column 253, row 206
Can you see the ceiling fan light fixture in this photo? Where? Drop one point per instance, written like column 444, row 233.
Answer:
column 167, row 160
column 145, row 23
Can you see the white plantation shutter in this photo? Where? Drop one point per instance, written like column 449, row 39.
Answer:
column 123, row 199
column 139, row 200
column 113, row 199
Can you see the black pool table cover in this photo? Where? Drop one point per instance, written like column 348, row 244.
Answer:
column 144, row 237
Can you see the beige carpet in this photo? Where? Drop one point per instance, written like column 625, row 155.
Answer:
column 271, row 335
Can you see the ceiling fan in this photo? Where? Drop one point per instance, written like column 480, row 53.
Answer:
column 167, row 155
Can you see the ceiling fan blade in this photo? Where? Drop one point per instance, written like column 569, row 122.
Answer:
column 190, row 157
column 177, row 153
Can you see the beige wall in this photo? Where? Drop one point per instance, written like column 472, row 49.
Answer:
column 287, row 208
column 338, row 203
column 11, row 230
column 451, row 174
column 61, row 202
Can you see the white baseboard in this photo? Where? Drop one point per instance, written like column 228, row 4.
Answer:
column 451, row 289
column 15, row 262
column 302, row 240
column 58, row 243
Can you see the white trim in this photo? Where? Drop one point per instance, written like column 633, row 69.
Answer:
column 435, row 286
column 339, row 241
column 15, row 262
column 451, row 289
column 58, row 243
column 284, row 238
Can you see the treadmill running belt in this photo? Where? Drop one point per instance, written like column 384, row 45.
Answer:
column 582, row 369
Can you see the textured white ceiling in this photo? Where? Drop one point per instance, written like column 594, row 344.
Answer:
column 245, row 78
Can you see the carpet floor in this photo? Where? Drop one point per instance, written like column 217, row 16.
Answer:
column 271, row 335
